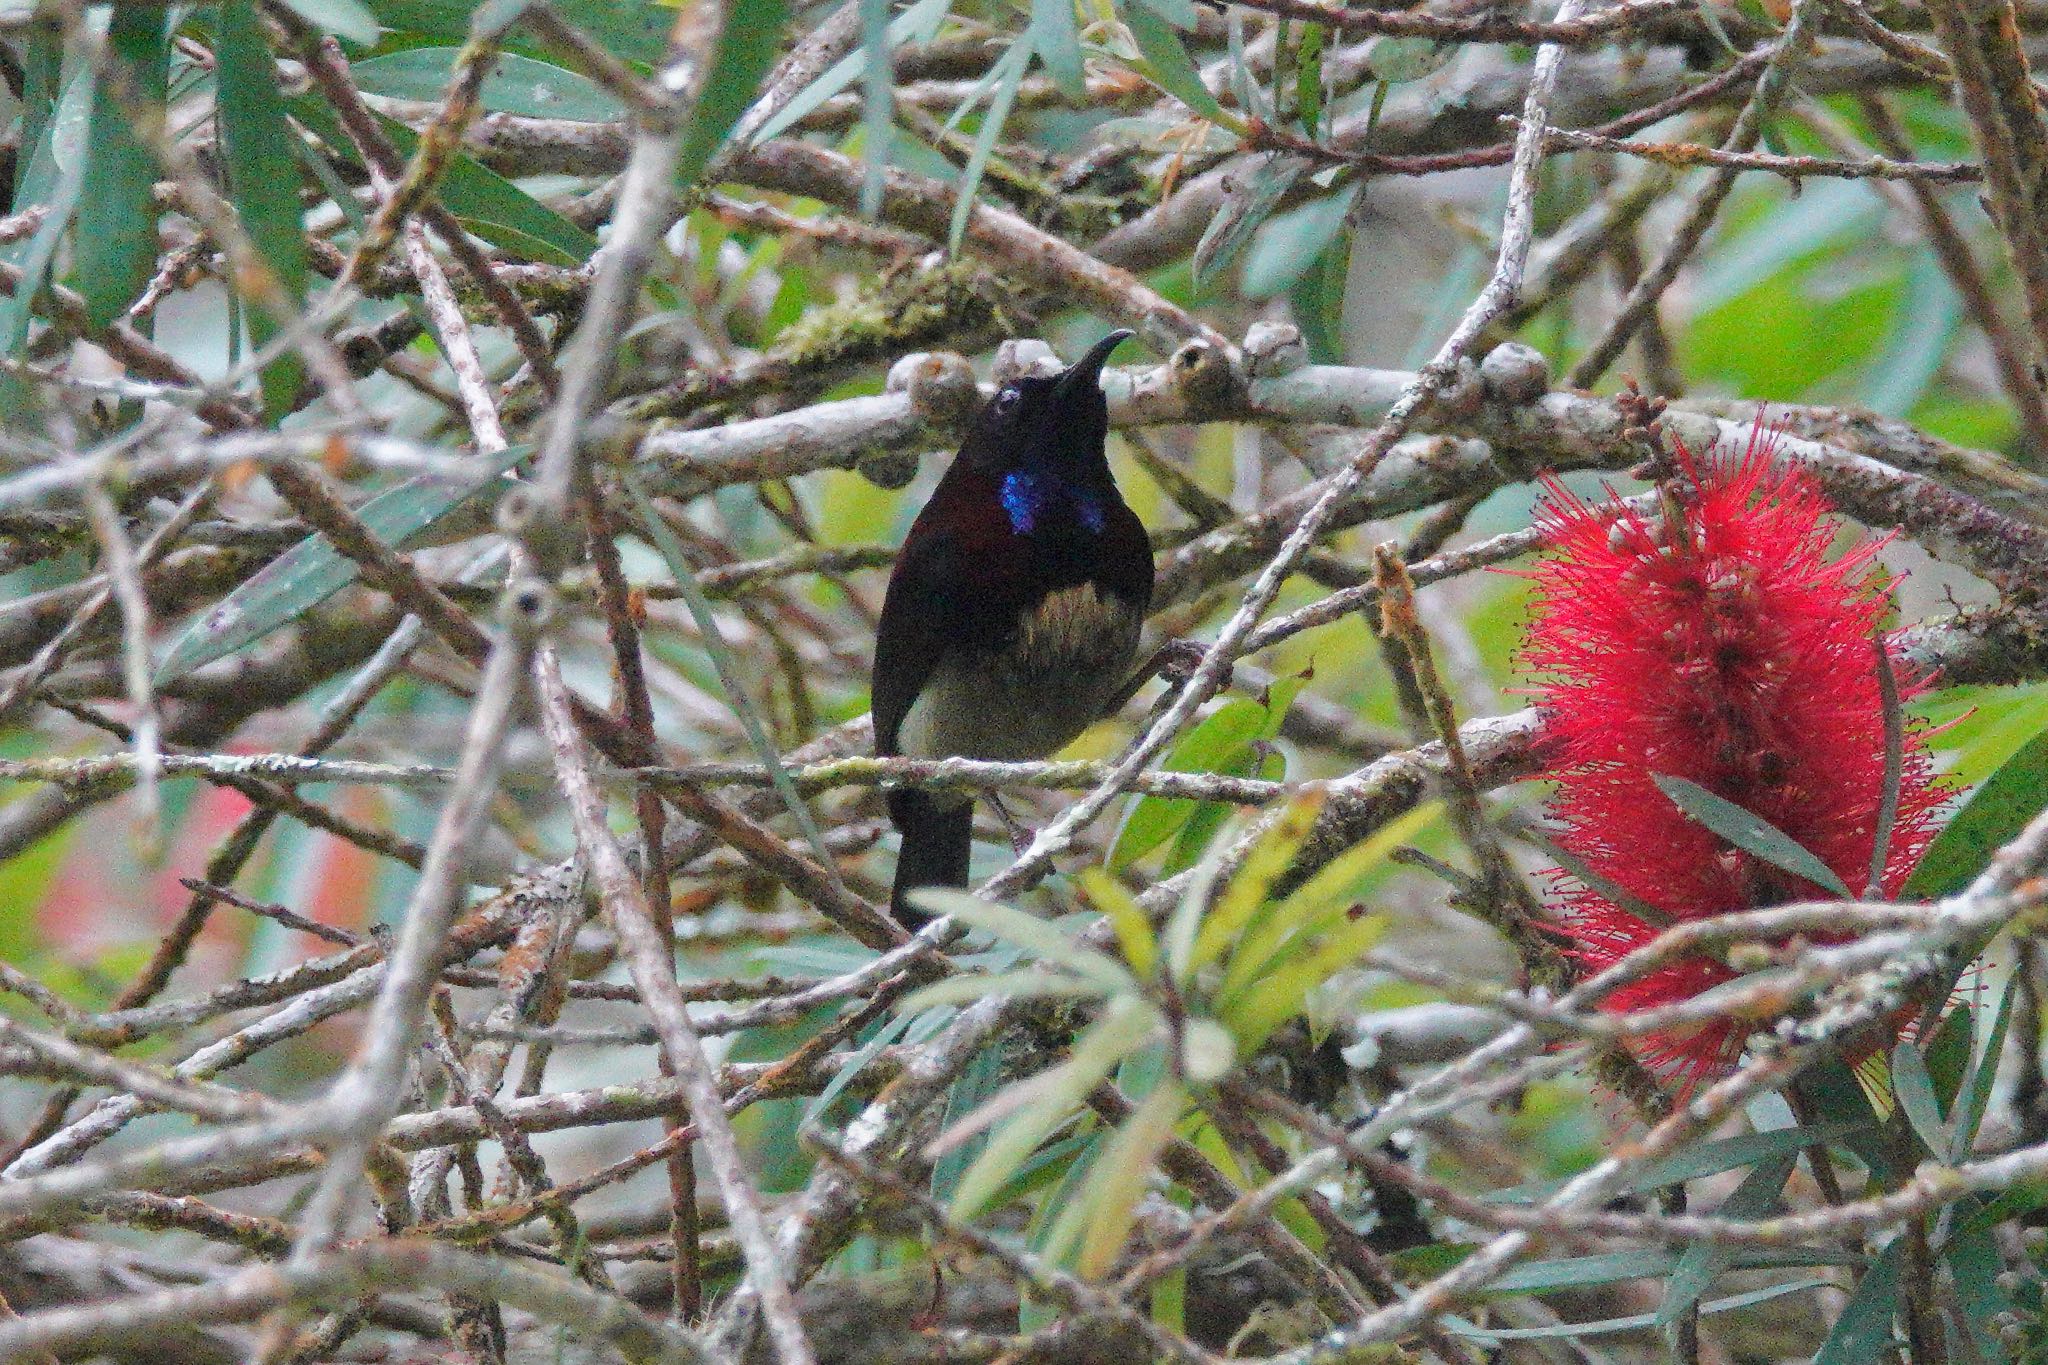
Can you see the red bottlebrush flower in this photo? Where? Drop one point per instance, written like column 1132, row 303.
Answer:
column 1735, row 653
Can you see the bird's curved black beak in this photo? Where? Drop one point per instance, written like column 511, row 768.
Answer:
column 1088, row 369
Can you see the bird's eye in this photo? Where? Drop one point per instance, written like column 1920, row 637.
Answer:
column 1007, row 400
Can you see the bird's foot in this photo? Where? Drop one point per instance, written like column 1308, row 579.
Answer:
column 1176, row 660
column 1020, row 837
column 1173, row 663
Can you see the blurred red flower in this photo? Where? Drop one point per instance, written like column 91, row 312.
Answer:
column 1722, row 643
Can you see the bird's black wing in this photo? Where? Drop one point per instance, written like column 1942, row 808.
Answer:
column 919, row 623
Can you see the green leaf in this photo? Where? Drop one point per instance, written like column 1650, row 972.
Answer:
column 1209, row 818
column 1170, row 1300
column 915, row 25
column 1281, row 992
column 1975, row 1095
column 1864, row 1331
column 1252, row 200
column 1038, row 938
column 55, row 177
column 1109, row 1201
column 889, row 1032
column 878, row 104
column 1975, row 1214
column 1008, row 75
column 1292, row 244
column 635, row 30
column 1248, row 890
column 1030, row 1110
column 1127, row 919
column 1914, row 1090
column 257, row 146
column 1975, row 1265
column 747, row 47
column 1050, row 1164
column 1221, row 738
column 1586, row 1272
column 1838, row 1097
column 1948, row 1053
column 1396, row 59
column 1026, row 983
column 1995, row 812
column 1225, row 742
column 1317, row 300
column 1179, row 13
column 516, row 85
column 1758, row 1196
column 1709, row 1158
column 684, row 575
column 981, row 1079
column 1633, row 1322
column 114, row 249
column 348, row 19
column 1329, row 890
column 312, row 571
column 1244, row 86
column 42, row 73
column 1308, row 79
column 1058, row 41
column 487, row 204
column 1749, row 832
column 1168, row 65
column 28, row 879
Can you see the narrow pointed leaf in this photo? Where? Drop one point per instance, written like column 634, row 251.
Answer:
column 1308, row 79
column 1168, row 65
column 312, row 571
column 1999, row 809
column 1749, row 832
column 684, row 576
column 1758, row 1196
column 1863, row 1332
column 850, row 1069
column 747, row 47
column 1028, row 983
column 1975, row 1095
column 1914, row 1090
column 1248, row 890
column 1120, row 1177
column 516, row 85
column 981, row 1079
column 1709, row 1158
column 1316, row 900
column 1037, row 937
column 878, row 103
column 1126, row 918
column 54, row 177
column 114, row 249
column 915, row 25
column 1617, row 1267
column 1053, row 1098
column 348, row 19
column 1632, row 1323
column 1009, row 79
column 1253, row 199
column 486, row 203
column 1058, row 42
column 256, row 144
column 1976, row 1266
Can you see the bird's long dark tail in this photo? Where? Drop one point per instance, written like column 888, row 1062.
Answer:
column 937, row 840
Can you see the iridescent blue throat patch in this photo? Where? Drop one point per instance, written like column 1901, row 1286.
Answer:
column 1027, row 497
